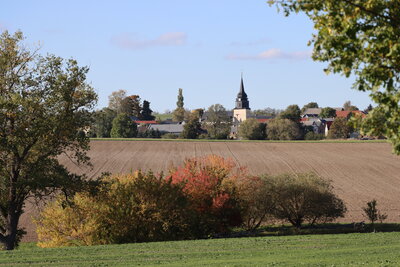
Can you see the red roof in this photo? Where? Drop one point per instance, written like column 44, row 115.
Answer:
column 146, row 122
column 345, row 113
column 263, row 120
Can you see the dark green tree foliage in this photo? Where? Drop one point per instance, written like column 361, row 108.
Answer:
column 360, row 38
column 313, row 136
column 251, row 129
column 191, row 129
column 179, row 112
column 179, row 103
column 292, row 113
column 304, row 197
column 123, row 127
column 151, row 133
column 328, row 113
column 309, row 105
column 218, row 123
column 340, row 129
column 146, row 112
column 45, row 105
column 103, row 122
column 283, row 129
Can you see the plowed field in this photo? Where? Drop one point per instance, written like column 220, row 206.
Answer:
column 359, row 171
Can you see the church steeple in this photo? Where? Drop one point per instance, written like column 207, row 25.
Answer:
column 242, row 101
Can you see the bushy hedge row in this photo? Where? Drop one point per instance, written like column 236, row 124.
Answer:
column 204, row 196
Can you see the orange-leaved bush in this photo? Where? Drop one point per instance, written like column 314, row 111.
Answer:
column 208, row 183
column 136, row 207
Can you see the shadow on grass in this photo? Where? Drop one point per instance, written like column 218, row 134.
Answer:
column 329, row 228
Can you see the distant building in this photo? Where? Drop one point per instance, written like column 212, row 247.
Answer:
column 242, row 107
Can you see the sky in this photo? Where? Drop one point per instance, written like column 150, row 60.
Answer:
column 151, row 48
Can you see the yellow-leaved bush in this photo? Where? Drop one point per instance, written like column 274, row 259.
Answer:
column 136, row 207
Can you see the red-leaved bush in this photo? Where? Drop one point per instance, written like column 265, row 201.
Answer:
column 208, row 181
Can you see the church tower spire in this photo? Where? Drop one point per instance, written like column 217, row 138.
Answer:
column 242, row 102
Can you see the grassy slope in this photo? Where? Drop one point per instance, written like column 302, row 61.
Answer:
column 163, row 116
column 374, row 249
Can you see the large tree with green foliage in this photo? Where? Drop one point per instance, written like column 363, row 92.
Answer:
column 123, row 127
column 191, row 129
column 328, row 113
column 251, row 129
column 283, row 129
column 218, row 123
column 44, row 111
column 292, row 113
column 103, row 122
column 360, row 38
column 340, row 129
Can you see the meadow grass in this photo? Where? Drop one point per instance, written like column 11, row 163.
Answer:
column 163, row 116
column 367, row 249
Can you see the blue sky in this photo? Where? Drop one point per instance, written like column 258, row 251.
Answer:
column 153, row 47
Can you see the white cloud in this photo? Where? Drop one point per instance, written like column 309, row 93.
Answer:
column 273, row 53
column 129, row 41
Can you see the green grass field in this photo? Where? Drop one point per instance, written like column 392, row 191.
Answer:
column 372, row 249
column 163, row 116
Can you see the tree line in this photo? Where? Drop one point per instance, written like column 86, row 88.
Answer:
column 117, row 120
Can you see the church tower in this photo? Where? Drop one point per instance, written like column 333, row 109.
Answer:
column 242, row 109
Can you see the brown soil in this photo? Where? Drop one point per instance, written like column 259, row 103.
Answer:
column 359, row 171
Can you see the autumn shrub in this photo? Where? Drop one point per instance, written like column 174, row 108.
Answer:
column 208, row 183
column 135, row 207
column 304, row 197
column 255, row 200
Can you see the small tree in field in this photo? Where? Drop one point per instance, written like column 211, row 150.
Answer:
column 373, row 214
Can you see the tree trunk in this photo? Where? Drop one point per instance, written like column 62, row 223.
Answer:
column 14, row 210
column 11, row 228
